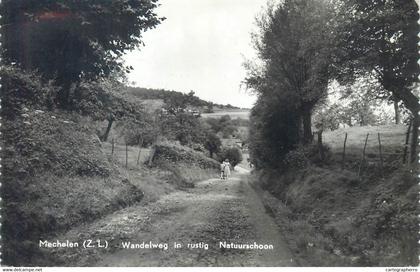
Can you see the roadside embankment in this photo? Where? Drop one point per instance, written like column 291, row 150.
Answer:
column 186, row 165
column 335, row 218
column 55, row 177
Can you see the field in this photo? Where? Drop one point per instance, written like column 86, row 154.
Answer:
column 392, row 137
column 132, row 153
column 356, row 215
column 392, row 140
column 234, row 114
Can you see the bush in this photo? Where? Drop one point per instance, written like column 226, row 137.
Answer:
column 55, row 176
column 302, row 156
column 314, row 154
column 42, row 141
column 177, row 154
column 296, row 159
column 233, row 154
column 212, row 143
column 22, row 90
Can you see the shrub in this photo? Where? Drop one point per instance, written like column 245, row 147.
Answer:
column 55, row 176
column 233, row 154
column 22, row 90
column 296, row 159
column 302, row 156
column 314, row 154
column 175, row 153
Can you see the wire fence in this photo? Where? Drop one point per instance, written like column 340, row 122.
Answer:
column 128, row 156
column 370, row 150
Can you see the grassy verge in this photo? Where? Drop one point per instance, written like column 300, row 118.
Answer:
column 186, row 165
column 55, row 177
column 334, row 218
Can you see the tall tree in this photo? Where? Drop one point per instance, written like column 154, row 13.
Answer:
column 102, row 100
column 212, row 143
column 294, row 46
column 381, row 36
column 67, row 40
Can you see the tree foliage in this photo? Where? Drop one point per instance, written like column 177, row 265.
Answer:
column 212, row 143
column 274, row 131
column 166, row 96
column 102, row 100
column 70, row 40
column 295, row 50
column 355, row 104
column 381, row 36
column 224, row 126
column 23, row 90
column 233, row 154
column 294, row 47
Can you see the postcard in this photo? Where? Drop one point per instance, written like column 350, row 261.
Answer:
column 209, row 133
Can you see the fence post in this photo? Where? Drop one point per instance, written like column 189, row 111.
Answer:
column 138, row 157
column 151, row 155
column 321, row 150
column 344, row 152
column 112, row 148
column 126, row 155
column 407, row 139
column 380, row 152
column 363, row 155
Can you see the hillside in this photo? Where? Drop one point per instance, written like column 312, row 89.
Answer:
column 392, row 139
column 359, row 215
column 233, row 113
column 55, row 176
column 165, row 95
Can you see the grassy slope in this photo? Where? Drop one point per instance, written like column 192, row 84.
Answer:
column 55, row 176
column 332, row 217
column 187, row 165
column 392, row 140
column 154, row 95
column 234, row 114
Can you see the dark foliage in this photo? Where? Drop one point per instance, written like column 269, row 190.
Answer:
column 274, row 131
column 21, row 90
column 167, row 96
column 176, row 154
column 212, row 143
column 183, row 127
column 382, row 37
column 54, row 176
column 70, row 40
column 233, row 154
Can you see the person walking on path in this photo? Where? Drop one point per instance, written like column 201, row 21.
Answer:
column 222, row 170
column 226, row 169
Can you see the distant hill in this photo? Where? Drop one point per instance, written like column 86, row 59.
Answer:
column 165, row 95
column 233, row 113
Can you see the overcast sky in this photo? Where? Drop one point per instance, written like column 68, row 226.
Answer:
column 200, row 47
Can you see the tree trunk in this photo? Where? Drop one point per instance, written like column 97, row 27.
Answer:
column 307, row 127
column 397, row 112
column 411, row 101
column 64, row 95
column 414, row 138
column 320, row 147
column 152, row 155
column 407, row 141
column 300, row 130
column 108, row 129
column 140, row 146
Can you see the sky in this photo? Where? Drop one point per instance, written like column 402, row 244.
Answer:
column 201, row 47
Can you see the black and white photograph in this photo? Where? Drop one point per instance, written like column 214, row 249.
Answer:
column 209, row 133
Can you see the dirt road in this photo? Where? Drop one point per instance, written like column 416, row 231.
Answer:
column 214, row 211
